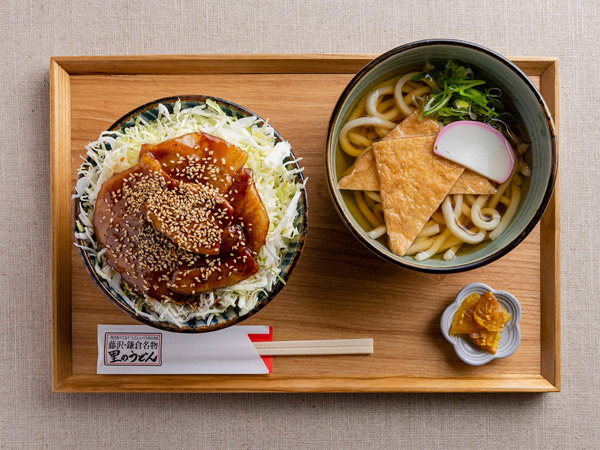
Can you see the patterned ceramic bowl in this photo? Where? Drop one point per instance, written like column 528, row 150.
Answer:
column 510, row 338
column 149, row 112
column 519, row 91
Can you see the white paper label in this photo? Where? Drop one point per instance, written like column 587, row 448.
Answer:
column 140, row 349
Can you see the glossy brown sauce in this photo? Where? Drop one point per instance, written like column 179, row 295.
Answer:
column 199, row 158
column 249, row 206
column 194, row 216
column 188, row 189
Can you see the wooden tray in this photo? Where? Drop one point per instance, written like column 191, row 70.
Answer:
column 339, row 289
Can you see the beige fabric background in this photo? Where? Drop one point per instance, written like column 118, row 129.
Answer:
column 31, row 416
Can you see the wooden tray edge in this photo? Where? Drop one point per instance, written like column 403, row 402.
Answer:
column 264, row 384
column 60, row 150
column 550, row 247
column 241, row 63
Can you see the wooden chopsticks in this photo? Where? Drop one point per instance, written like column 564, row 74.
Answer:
column 322, row 347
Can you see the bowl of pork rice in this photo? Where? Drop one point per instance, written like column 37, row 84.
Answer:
column 279, row 182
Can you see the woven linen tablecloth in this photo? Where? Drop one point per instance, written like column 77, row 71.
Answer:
column 31, row 416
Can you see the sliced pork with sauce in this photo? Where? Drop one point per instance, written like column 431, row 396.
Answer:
column 249, row 209
column 186, row 219
column 218, row 271
column 194, row 216
column 199, row 158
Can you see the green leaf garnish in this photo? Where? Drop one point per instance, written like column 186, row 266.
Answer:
column 459, row 96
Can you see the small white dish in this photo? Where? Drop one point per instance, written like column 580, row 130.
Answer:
column 510, row 338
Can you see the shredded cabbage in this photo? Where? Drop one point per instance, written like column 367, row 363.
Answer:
column 275, row 181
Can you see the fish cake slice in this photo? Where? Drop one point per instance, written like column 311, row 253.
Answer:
column 414, row 182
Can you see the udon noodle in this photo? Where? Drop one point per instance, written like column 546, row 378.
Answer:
column 462, row 220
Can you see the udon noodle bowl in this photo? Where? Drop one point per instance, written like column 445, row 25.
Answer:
column 462, row 221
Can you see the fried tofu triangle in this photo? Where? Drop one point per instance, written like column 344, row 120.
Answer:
column 472, row 183
column 414, row 182
column 413, row 126
column 363, row 176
